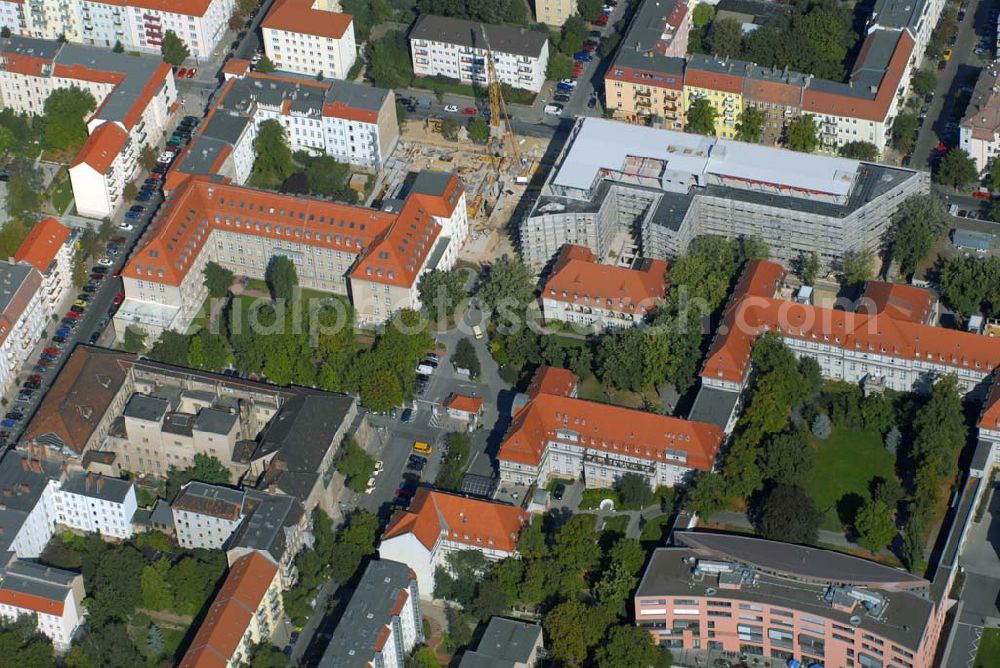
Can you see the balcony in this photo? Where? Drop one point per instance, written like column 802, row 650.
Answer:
column 643, row 92
column 640, row 102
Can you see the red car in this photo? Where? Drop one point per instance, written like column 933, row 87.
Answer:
column 191, row 72
column 589, row 47
column 72, row 316
column 603, row 21
column 35, row 378
column 469, row 111
column 181, row 73
column 941, row 148
column 51, row 351
column 97, row 277
column 119, row 298
column 156, row 176
column 981, row 194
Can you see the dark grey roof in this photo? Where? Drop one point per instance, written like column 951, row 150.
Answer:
column 215, row 500
column 876, row 56
column 12, row 276
column 981, row 456
column 509, row 640
column 671, row 573
column 23, row 577
column 162, row 515
column 137, row 71
column 431, row 183
column 356, row 95
column 45, row 49
column 264, row 528
column 713, row 405
column 367, row 614
column 215, row 421
column 32, row 569
column 898, row 13
column 97, row 486
column 636, row 50
column 178, row 423
column 22, row 481
column 503, row 39
column 476, row 659
column 145, row 407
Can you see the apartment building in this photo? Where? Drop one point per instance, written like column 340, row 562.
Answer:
column 276, row 524
column 582, row 291
column 672, row 187
column 133, row 94
column 554, row 13
column 554, row 434
column 439, row 523
column 918, row 17
column 94, row 503
column 205, row 516
column 979, row 131
column 720, row 82
column 52, row 595
column 28, row 485
column 308, row 37
column 716, row 595
column 138, row 25
column 456, row 48
column 506, row 642
column 23, row 318
column 355, row 124
column 382, row 623
column 245, row 613
column 49, row 248
column 379, row 254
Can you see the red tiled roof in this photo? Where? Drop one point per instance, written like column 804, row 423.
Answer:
column 31, row 602
column 236, row 66
column 227, row 620
column 186, row 7
column 754, row 310
column 103, row 145
column 474, row 522
column 42, row 244
column 901, row 302
column 990, row 418
column 463, row 402
column 578, row 278
column 711, row 80
column 553, row 380
column 650, row 77
column 300, row 16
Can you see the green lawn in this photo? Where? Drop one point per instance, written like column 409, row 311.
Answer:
column 845, row 465
column 61, row 193
column 989, row 649
column 654, row 532
column 592, row 497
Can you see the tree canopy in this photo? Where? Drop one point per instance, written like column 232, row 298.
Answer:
column 790, row 515
column 465, row 357
column 217, row 280
column 751, row 125
column 356, row 464
column 904, row 128
column 282, row 279
column 441, row 292
column 956, row 169
column 876, row 525
column 701, row 117
column 916, row 226
column 65, row 111
column 274, row 158
column 802, row 134
column 509, row 286
column 859, row 150
column 173, row 49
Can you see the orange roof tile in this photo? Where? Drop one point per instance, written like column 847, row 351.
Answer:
column 711, row 80
column 474, row 522
column 153, row 85
column 227, row 620
column 901, row 302
column 236, row 66
column 464, row 402
column 103, row 145
column 186, row 7
column 612, row 429
column 553, row 380
column 347, row 112
column 31, row 602
column 990, row 417
column 42, row 244
column 578, row 278
column 301, row 16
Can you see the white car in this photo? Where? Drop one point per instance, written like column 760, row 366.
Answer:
column 370, row 486
column 378, row 467
column 166, row 157
column 451, row 108
column 105, row 262
column 127, row 226
column 569, row 82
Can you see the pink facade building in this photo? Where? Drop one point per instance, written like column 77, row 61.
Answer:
column 719, row 596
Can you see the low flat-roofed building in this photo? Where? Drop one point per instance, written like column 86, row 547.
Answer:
column 382, row 622
column 463, row 406
column 506, row 643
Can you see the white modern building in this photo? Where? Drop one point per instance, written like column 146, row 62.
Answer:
column 310, row 37
column 139, row 25
column 102, row 169
column 456, row 48
column 96, row 504
column 438, row 524
column 979, row 131
column 49, row 248
column 23, row 318
column 205, row 516
column 382, row 623
column 53, row 595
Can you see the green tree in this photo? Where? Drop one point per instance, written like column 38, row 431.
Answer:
column 479, row 130
column 274, row 159
column 939, row 434
column 208, row 351
column 206, row 468
column 356, row 464
column 265, row 65
column 789, row 514
column 425, row 657
column 173, row 49
column 708, row 494
column 876, row 525
column 888, row 490
column 859, row 150
column 904, row 128
column 856, row 266
column 629, row 646
column 134, row 339
column 449, row 128
column 441, row 292
column 217, row 280
column 268, row 656
column 455, row 459
column 916, row 226
column 750, row 126
column 995, row 175
column 725, row 38
column 570, row 640
column 23, row 198
column 282, row 279
column 634, row 491
column 574, row 31
column 622, row 359
column 65, row 111
column 701, row 117
column 510, row 285
column 956, row 169
column 788, row 458
column 808, row 267
column 560, row 66
column 802, row 134
column 924, row 82
column 326, row 176
column 381, row 390
column 171, row 348
column 389, row 63
column 912, row 551
column 465, row 357
column 589, row 9
column 147, row 158
column 703, row 15
column 156, row 594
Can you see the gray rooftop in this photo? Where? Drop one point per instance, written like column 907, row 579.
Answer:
column 215, row 421
column 145, row 407
column 508, row 641
column 431, row 183
column 137, row 71
column 503, row 39
column 713, row 406
column 97, row 486
column 367, row 614
column 898, row 13
column 178, row 423
column 206, row 499
column 264, row 528
column 12, row 276
column 356, row 95
column 22, row 481
column 44, row 49
column 636, row 50
column 23, row 577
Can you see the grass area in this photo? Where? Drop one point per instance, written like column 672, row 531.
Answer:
column 591, row 498
column 616, row 524
column 258, row 285
column 511, row 95
column 845, row 465
column 61, row 192
column 989, row 649
column 654, row 531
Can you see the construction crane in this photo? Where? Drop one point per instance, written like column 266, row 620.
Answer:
column 501, row 134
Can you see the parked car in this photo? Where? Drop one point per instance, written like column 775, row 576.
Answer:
column 72, row 323
column 24, row 396
column 17, row 415
column 62, row 331
column 553, row 109
column 190, row 73
column 451, row 108
column 73, row 315
column 181, row 72
column 28, row 385
column 407, row 415
column 41, row 367
column 144, row 196
column 582, row 56
column 469, row 111
column 130, row 215
column 51, row 351
column 561, row 97
column 119, row 298
column 76, row 309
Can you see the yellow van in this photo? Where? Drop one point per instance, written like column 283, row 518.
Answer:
column 422, row 448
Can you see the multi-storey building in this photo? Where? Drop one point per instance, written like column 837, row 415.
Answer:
column 439, row 523
column 720, row 82
column 52, row 595
column 673, row 186
column 555, row 434
column 276, row 524
column 354, row 124
column 512, row 643
column 96, row 504
column 979, row 131
column 379, row 254
column 918, row 17
column 138, row 25
column 309, row 37
column 49, row 248
column 133, row 95
column 23, row 318
column 718, row 595
column 28, row 485
column 583, row 292
column 382, row 623
column 245, row 613
column 554, row 12
column 456, row 48
column 205, row 516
